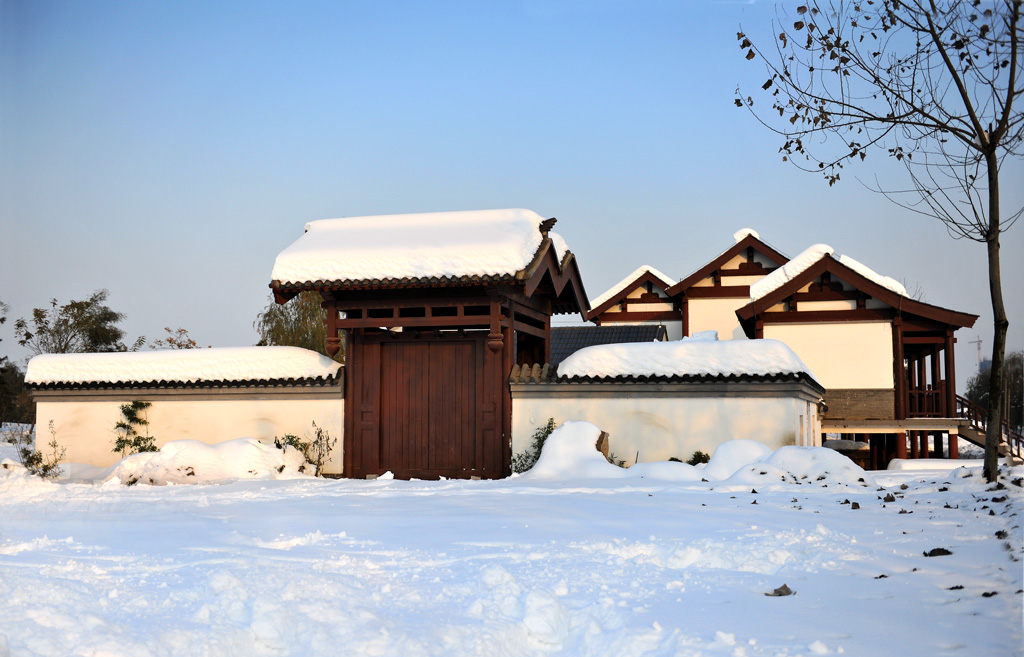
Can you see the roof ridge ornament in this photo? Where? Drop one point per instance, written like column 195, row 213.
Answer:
column 546, row 226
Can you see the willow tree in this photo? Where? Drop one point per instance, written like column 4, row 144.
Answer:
column 936, row 86
column 302, row 322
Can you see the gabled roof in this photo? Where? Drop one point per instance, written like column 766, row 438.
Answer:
column 566, row 340
column 559, row 278
column 484, row 245
column 859, row 277
column 619, row 291
column 438, row 249
column 745, row 239
column 810, row 256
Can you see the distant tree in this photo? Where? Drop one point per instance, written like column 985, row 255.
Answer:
column 176, row 339
column 75, row 327
column 935, row 85
column 302, row 322
column 15, row 402
column 1013, row 395
column 3, row 318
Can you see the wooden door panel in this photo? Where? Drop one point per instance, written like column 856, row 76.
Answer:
column 425, row 407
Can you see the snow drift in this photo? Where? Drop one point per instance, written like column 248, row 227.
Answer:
column 193, row 462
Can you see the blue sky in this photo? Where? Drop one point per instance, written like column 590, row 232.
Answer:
column 168, row 151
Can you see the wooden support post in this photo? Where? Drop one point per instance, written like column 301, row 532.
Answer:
column 901, row 445
column 937, row 444
column 923, row 437
column 898, row 369
column 914, row 453
column 954, row 447
column 950, row 376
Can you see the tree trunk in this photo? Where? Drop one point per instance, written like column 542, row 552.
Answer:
column 993, row 432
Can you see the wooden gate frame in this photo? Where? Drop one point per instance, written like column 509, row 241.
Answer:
column 513, row 311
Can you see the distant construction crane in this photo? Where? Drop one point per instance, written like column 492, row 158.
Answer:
column 977, row 342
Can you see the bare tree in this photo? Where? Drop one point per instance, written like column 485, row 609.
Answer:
column 935, row 85
column 176, row 339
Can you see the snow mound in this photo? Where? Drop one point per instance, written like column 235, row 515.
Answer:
column 805, row 260
column 819, row 465
column 182, row 365
column 571, row 452
column 701, row 357
column 193, row 462
column 730, row 456
column 667, row 470
column 702, row 336
column 621, row 285
column 742, row 233
column 428, row 245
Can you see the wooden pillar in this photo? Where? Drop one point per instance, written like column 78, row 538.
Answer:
column 954, row 446
column 923, row 437
column 333, row 338
column 899, row 372
column 922, row 387
column 901, row 444
column 950, row 376
column 914, row 444
column 938, row 397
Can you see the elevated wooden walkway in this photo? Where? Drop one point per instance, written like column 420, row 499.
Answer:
column 889, row 438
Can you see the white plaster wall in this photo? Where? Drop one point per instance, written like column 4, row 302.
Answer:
column 717, row 315
column 844, row 355
column 637, row 307
column 672, row 426
column 86, row 428
column 837, row 304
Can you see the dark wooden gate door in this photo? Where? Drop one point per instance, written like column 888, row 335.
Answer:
column 421, row 407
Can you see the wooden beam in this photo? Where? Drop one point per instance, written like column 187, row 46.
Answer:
column 661, row 315
column 718, row 292
column 815, row 316
column 397, row 322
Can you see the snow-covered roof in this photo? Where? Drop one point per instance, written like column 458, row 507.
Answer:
column 182, row 366
column 723, row 258
column 742, row 233
column 415, row 246
column 805, row 260
column 621, row 285
column 702, row 357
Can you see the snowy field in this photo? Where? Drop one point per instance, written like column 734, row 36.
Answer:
column 553, row 563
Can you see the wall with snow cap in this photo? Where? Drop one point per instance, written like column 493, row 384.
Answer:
column 182, row 366
column 84, row 419
column 658, row 421
column 685, row 358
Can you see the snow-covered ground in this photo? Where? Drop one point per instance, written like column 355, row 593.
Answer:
column 586, row 563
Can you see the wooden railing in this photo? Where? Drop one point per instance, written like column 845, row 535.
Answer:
column 977, row 417
column 926, row 403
